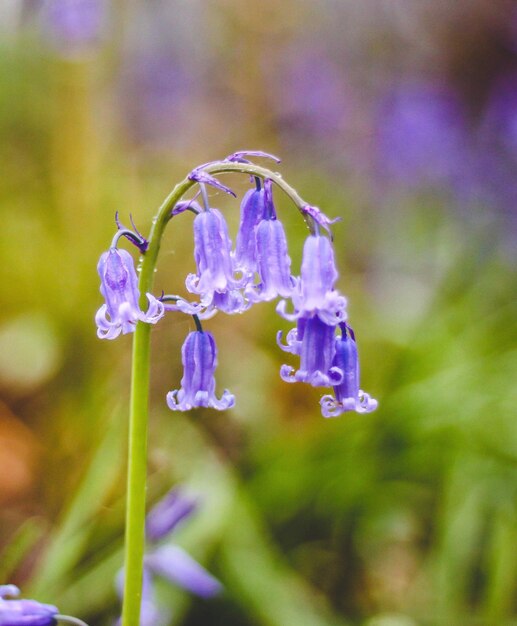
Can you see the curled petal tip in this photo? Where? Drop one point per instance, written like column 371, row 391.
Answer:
column 367, row 404
column 281, row 309
column 155, row 310
column 242, row 154
column 186, row 205
column 172, row 401
column 319, row 217
column 292, row 344
column 287, row 374
column 199, row 176
column 330, row 407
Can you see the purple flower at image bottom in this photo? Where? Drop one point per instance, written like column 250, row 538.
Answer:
column 119, row 286
column 24, row 612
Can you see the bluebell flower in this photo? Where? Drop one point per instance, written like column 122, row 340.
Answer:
column 120, row 290
column 252, row 210
column 169, row 561
column 314, row 294
column 170, row 511
column 313, row 341
column 199, row 357
column 24, row 612
column 212, row 253
column 174, row 564
column 230, row 302
column 348, row 396
column 273, row 264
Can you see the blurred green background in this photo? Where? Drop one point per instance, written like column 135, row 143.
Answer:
column 400, row 117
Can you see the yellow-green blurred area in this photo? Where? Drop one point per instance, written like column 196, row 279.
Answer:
column 401, row 118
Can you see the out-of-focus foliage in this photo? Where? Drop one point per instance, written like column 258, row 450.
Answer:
column 398, row 116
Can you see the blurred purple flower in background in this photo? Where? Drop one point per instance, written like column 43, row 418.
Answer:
column 74, row 25
column 157, row 92
column 421, row 136
column 490, row 179
column 168, row 561
column 172, row 509
column 500, row 118
column 179, row 568
column 309, row 95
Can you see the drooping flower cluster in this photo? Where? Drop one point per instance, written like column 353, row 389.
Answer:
column 231, row 280
column 168, row 561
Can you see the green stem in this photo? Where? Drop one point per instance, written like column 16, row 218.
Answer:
column 139, row 397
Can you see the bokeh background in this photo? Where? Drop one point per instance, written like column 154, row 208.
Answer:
column 400, row 117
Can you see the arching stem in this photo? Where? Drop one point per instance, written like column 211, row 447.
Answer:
column 140, row 373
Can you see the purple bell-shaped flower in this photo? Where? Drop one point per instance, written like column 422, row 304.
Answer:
column 314, row 293
column 313, row 341
column 348, row 396
column 252, row 211
column 119, row 286
column 199, row 357
column 212, row 248
column 273, row 264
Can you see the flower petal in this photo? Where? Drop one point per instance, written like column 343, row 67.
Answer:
column 174, row 564
column 163, row 518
